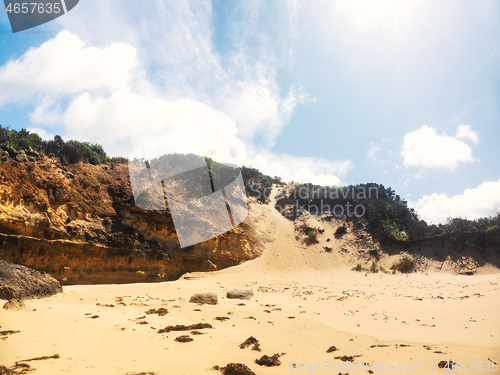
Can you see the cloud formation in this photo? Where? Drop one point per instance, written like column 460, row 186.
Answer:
column 475, row 203
column 66, row 65
column 125, row 84
column 465, row 132
column 425, row 148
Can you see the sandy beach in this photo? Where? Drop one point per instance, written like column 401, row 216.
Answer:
column 309, row 307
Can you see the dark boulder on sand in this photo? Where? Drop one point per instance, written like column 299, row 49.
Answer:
column 240, row 294
column 208, row 298
column 20, row 282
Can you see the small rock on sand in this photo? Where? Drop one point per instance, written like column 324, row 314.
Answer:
column 15, row 305
column 240, row 294
column 20, row 282
column 208, row 298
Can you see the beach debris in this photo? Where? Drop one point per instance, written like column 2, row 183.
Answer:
column 181, row 327
column 55, row 356
column 269, row 361
column 8, row 332
column 105, row 304
column 240, row 294
column 332, row 348
column 348, row 358
column 251, row 341
column 446, row 364
column 221, row 318
column 208, row 298
column 21, row 368
column 4, row 334
column 183, row 338
column 160, row 312
column 197, row 333
column 234, row 369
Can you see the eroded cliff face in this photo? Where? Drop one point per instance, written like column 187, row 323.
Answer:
column 80, row 224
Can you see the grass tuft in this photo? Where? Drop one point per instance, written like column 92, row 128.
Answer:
column 406, row 265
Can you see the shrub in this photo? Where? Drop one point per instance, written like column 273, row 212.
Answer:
column 311, row 234
column 358, row 267
column 405, row 265
column 374, row 253
column 374, row 268
column 341, row 230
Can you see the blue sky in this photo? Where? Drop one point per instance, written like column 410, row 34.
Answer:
column 403, row 93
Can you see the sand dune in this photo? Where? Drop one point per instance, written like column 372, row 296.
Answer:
column 306, row 301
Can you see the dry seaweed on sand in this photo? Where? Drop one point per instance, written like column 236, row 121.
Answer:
column 183, row 338
column 251, row 341
column 269, row 361
column 4, row 334
column 234, row 369
column 17, row 369
column 21, row 368
column 182, row 327
column 348, row 358
column 332, row 348
column 160, row 312
column 55, row 356
column 197, row 333
column 446, row 364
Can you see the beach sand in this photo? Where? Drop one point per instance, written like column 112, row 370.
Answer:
column 305, row 302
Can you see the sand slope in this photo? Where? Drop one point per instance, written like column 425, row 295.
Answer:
column 305, row 301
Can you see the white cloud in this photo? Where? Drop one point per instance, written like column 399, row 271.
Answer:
column 43, row 133
column 65, row 65
column 425, row 148
column 123, row 84
column 465, row 132
column 47, row 112
column 303, row 169
column 372, row 152
column 133, row 120
column 481, row 201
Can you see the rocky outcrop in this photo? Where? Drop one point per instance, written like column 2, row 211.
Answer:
column 208, row 298
column 80, row 224
column 240, row 294
column 19, row 282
